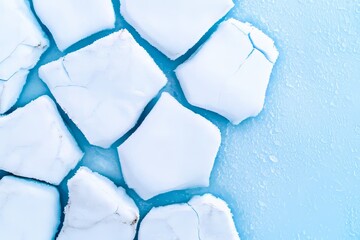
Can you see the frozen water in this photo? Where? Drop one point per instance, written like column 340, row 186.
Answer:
column 35, row 143
column 177, row 221
column 230, row 73
column 104, row 87
column 22, row 43
column 173, row 27
column 310, row 122
column 28, row 209
column 69, row 22
column 173, row 149
column 203, row 217
column 97, row 209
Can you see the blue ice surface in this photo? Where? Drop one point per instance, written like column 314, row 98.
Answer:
column 293, row 172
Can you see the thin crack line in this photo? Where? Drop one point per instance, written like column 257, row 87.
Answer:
column 198, row 219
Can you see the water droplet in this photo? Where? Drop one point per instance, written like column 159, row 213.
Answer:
column 273, row 158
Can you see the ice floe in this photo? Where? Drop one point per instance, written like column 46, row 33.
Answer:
column 173, row 27
column 28, row 209
column 173, row 149
column 70, row 21
column 202, row 218
column 230, row 73
column 22, row 42
column 35, row 143
column 97, row 209
column 105, row 86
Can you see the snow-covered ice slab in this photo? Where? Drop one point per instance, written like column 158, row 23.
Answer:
column 230, row 73
column 173, row 149
column 202, row 218
column 22, row 42
column 70, row 21
column 173, row 27
column 105, row 86
column 35, row 143
column 28, row 209
column 97, row 209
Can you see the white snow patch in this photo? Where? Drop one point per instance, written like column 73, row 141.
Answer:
column 173, row 149
column 174, row 27
column 35, row 143
column 202, row 218
column 230, row 73
column 22, row 43
column 105, row 86
column 97, row 209
column 28, row 209
column 70, row 21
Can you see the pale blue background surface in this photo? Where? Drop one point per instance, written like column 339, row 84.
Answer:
column 294, row 171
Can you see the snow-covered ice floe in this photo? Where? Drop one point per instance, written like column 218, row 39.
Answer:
column 35, row 143
column 28, row 209
column 173, row 27
column 97, row 209
column 202, row 218
column 230, row 73
column 70, row 21
column 173, row 149
column 22, row 42
column 105, row 86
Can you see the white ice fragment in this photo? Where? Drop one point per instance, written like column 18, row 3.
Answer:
column 22, row 42
column 105, row 86
column 28, row 209
column 70, row 21
column 97, row 209
column 35, row 143
column 174, row 27
column 215, row 218
column 202, row 218
column 230, row 73
column 173, row 149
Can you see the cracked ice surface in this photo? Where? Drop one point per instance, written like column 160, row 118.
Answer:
column 97, row 209
column 69, row 22
column 234, row 65
column 105, row 86
column 202, row 218
column 28, row 209
column 35, row 143
column 173, row 27
column 177, row 150
column 22, row 43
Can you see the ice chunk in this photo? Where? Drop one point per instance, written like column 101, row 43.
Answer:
column 97, row 209
column 203, row 217
column 22, row 43
column 172, row 149
column 35, row 143
column 230, row 73
column 28, row 209
column 70, row 21
column 174, row 27
column 104, row 87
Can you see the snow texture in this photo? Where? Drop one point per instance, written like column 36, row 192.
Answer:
column 35, row 143
column 28, row 209
column 202, row 218
column 97, row 209
column 105, row 86
column 173, row 27
column 230, row 73
column 69, row 22
column 173, row 149
column 22, row 43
